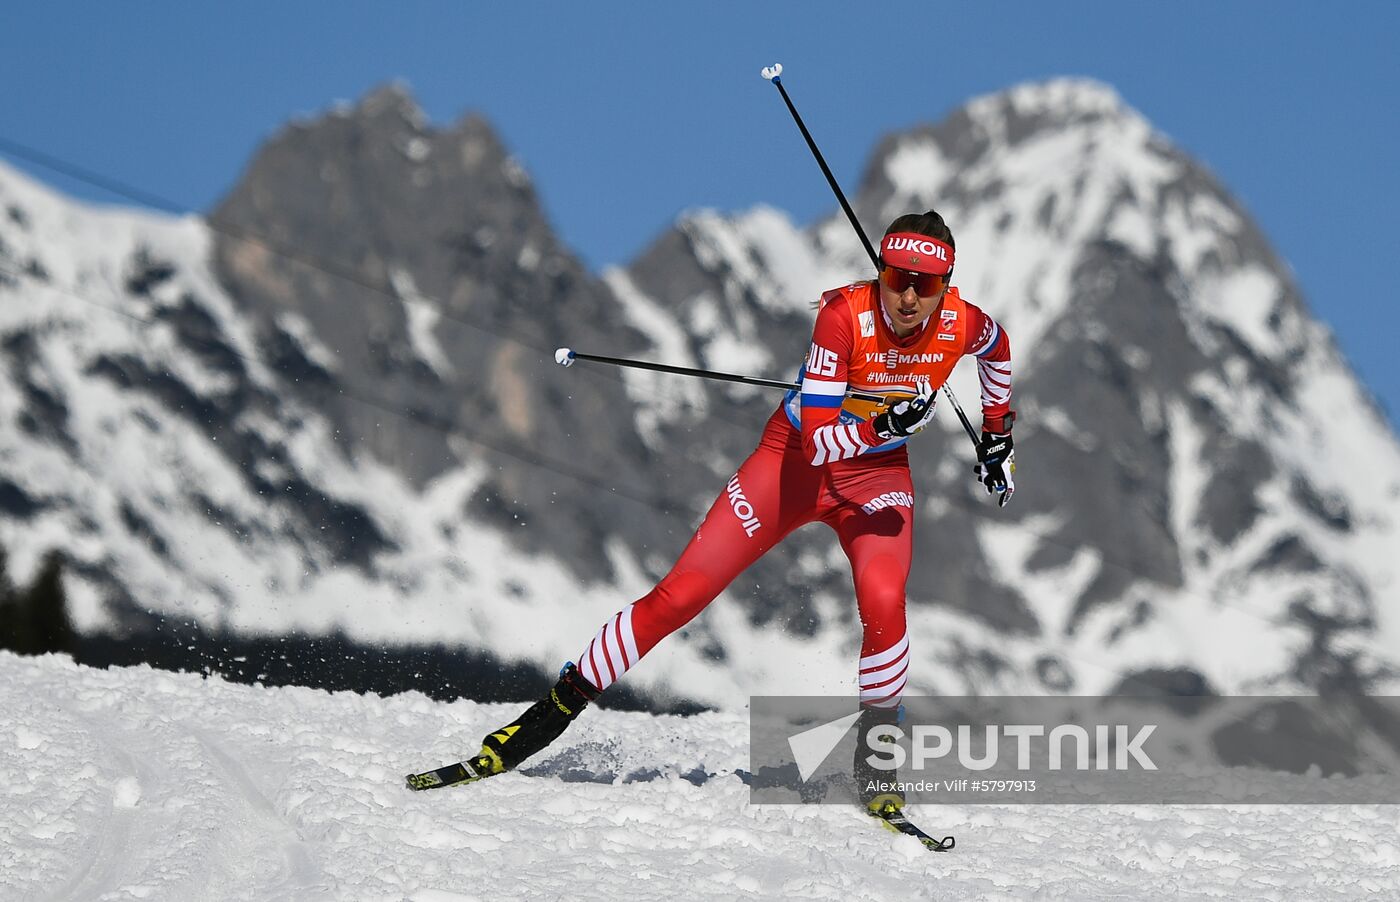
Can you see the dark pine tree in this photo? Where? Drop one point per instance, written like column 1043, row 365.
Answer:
column 48, row 608
column 34, row 620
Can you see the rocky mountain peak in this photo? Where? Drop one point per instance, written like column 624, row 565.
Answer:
column 1056, row 101
column 393, row 99
column 420, row 260
column 378, row 167
column 1034, row 138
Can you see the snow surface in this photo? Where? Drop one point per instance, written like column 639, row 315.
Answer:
column 136, row 784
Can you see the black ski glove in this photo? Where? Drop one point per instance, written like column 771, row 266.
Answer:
column 905, row 418
column 996, row 464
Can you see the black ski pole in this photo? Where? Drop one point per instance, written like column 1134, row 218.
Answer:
column 566, row 357
column 774, row 74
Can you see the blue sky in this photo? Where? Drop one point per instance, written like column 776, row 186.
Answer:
column 625, row 114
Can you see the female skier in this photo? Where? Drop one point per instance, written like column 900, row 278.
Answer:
column 822, row 457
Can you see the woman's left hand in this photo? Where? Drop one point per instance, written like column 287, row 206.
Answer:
column 996, row 465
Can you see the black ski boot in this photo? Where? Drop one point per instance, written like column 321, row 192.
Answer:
column 878, row 801
column 505, row 749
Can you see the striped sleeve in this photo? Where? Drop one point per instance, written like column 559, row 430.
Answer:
column 824, row 438
column 989, row 343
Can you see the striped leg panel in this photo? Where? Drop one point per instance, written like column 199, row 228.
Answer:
column 883, row 675
column 612, row 652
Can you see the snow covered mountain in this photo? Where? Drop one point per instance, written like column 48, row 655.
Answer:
column 331, row 405
column 1207, row 498
column 191, row 457
column 129, row 783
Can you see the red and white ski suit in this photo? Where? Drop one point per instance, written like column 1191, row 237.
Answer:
column 819, row 459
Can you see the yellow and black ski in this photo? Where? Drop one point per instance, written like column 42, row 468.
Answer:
column 468, row 771
column 892, row 816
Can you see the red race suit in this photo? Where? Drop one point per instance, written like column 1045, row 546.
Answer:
column 820, row 459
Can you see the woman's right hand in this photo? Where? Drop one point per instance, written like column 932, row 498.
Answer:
column 905, row 418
